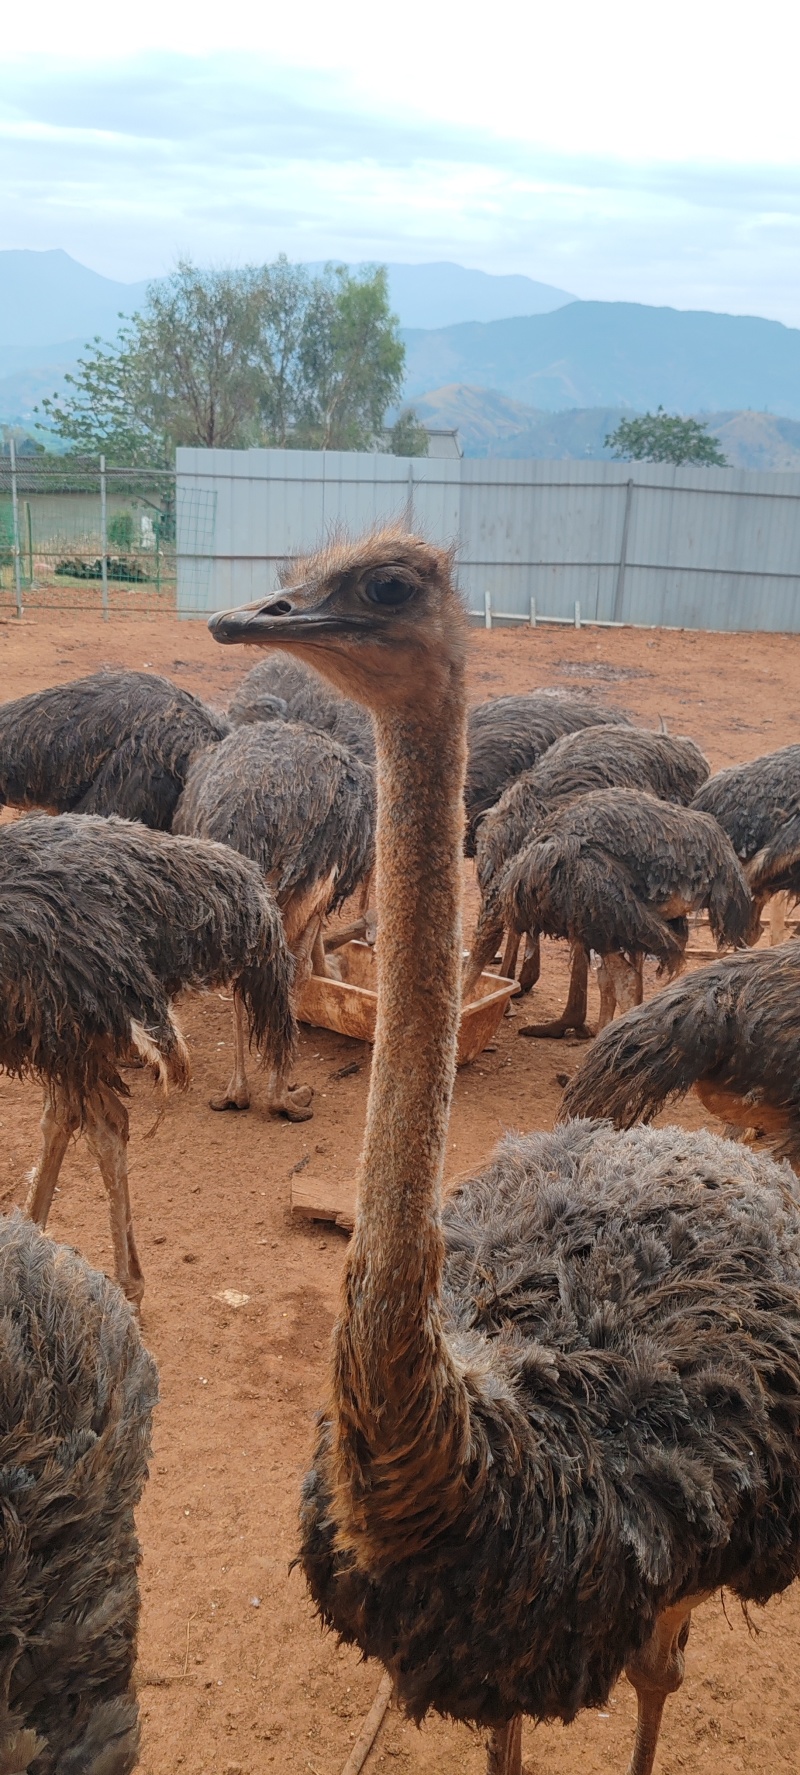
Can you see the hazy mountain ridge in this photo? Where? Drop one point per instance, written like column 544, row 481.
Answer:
column 616, row 355
column 492, row 425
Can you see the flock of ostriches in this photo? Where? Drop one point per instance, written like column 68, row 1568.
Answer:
column 563, row 1405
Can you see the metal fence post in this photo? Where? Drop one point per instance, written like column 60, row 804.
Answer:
column 623, row 554
column 533, row 613
column 577, row 613
column 15, row 520
column 487, row 610
column 103, row 538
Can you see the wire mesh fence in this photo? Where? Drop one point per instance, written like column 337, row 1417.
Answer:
column 77, row 534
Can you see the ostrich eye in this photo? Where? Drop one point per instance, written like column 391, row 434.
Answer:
column 389, row 592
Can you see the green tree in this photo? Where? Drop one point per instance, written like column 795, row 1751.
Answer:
column 185, row 371
column 227, row 358
column 408, row 436
column 665, row 437
column 352, row 361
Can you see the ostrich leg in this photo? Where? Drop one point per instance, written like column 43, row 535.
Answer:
column 656, row 1672
column 58, row 1124
column 107, row 1136
column 777, row 917
column 573, row 1015
column 505, row 1749
column 236, row 1094
column 620, row 984
column 510, row 953
column 294, row 1101
column 531, row 961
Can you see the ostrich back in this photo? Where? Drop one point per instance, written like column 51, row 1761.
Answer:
column 510, row 733
column 625, row 1312
column 293, row 799
column 113, row 743
column 305, row 697
column 734, row 1022
column 593, row 758
column 102, row 923
column 77, row 1392
column 617, row 870
column 752, row 801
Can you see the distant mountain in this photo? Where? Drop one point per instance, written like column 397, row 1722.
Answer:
column 443, row 294
column 491, row 424
column 49, row 296
column 618, row 355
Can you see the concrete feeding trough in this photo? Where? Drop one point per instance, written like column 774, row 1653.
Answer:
column 350, row 1005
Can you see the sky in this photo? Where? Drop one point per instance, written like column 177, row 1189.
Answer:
column 619, row 151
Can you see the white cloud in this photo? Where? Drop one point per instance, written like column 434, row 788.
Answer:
column 224, row 156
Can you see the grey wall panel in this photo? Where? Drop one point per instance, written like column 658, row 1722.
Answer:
column 704, row 548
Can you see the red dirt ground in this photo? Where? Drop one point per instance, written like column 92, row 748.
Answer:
column 234, row 1674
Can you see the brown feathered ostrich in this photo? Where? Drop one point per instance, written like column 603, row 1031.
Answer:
column 592, row 758
column 77, row 1392
column 566, row 1409
column 113, row 743
column 617, row 872
column 102, row 923
column 303, row 808
column 758, row 805
column 731, row 1030
column 508, row 734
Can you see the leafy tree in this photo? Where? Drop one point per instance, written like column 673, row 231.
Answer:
column 185, row 371
column 232, row 358
column 353, row 361
column 665, row 437
column 408, row 436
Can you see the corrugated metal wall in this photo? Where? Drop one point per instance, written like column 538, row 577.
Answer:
column 632, row 542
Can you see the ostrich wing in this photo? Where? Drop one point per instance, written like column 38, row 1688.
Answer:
column 564, row 887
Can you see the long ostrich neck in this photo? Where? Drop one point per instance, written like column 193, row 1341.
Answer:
column 400, row 1409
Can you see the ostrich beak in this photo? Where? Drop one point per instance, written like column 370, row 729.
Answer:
column 294, row 615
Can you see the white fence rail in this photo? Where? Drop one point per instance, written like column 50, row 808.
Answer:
column 537, row 541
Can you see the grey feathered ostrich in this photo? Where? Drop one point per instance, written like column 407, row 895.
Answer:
column 618, row 872
column 565, row 1409
column 77, row 1392
column 113, row 743
column 102, row 923
column 508, row 734
column 731, row 1030
column 758, row 805
column 276, row 687
column 592, row 758
column 303, row 808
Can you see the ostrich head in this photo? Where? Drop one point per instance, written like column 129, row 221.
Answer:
column 379, row 617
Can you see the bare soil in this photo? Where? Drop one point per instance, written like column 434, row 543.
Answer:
column 235, row 1676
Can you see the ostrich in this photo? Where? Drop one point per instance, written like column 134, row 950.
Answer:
column 283, row 687
column 77, row 1392
column 510, row 733
column 591, row 758
column 303, row 808
column 101, row 924
column 114, row 743
column 567, row 1409
column 730, row 1030
column 617, row 871
column 758, row 805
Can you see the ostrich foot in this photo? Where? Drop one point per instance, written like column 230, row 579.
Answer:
column 505, row 1749
column 294, row 1102
column 233, row 1098
column 555, row 1031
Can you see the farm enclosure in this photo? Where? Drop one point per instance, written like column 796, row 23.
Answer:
column 234, row 1673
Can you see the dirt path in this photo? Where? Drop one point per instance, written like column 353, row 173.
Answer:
column 235, row 1676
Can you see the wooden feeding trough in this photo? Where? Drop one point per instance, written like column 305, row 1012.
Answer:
column 349, row 1005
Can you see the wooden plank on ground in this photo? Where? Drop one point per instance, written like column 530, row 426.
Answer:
column 322, row 1198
